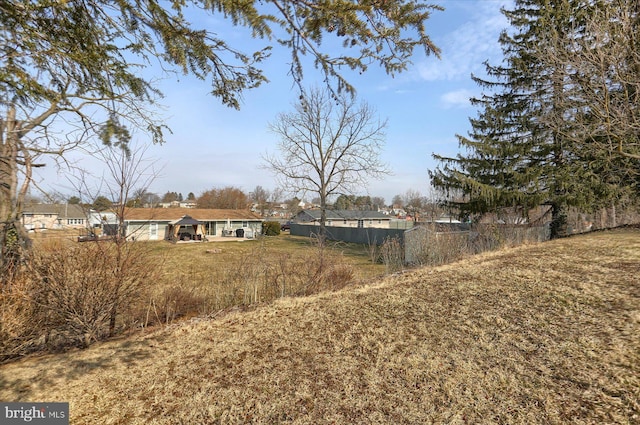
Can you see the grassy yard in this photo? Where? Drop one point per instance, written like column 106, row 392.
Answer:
column 539, row 334
column 214, row 256
column 206, row 278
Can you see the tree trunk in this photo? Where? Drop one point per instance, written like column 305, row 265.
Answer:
column 612, row 220
column 322, row 236
column 559, row 224
column 13, row 237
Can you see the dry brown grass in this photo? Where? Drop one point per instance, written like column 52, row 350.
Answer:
column 207, row 278
column 541, row 334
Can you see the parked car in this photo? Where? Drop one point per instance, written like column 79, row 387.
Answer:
column 285, row 226
column 87, row 238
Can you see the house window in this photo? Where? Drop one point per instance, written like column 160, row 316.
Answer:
column 329, row 223
column 245, row 224
column 73, row 221
column 360, row 223
column 379, row 221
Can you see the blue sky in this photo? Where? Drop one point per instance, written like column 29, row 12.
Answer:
column 426, row 106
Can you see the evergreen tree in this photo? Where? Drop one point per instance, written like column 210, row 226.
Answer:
column 102, row 203
column 170, row 197
column 344, row 202
column 513, row 157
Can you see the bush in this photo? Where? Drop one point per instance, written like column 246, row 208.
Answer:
column 21, row 320
column 271, row 228
column 89, row 290
column 392, row 255
column 173, row 303
column 73, row 294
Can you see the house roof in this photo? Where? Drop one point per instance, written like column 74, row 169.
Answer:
column 346, row 215
column 200, row 214
column 61, row 210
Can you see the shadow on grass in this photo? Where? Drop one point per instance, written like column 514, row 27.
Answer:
column 32, row 373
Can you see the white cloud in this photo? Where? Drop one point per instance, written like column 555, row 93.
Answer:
column 466, row 47
column 456, row 99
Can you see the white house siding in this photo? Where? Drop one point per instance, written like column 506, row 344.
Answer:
column 342, row 218
column 147, row 231
column 53, row 216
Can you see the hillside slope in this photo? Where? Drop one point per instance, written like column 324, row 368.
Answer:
column 546, row 334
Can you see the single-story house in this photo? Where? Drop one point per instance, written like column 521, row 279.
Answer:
column 196, row 224
column 345, row 218
column 54, row 216
column 103, row 222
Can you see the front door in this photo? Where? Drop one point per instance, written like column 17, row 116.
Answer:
column 153, row 231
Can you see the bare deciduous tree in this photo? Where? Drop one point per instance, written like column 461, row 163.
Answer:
column 378, row 202
column 413, row 203
column 328, row 145
column 129, row 172
column 603, row 64
column 261, row 196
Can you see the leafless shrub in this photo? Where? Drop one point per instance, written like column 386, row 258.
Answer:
column 86, row 286
column 373, row 250
column 21, row 321
column 258, row 276
column 70, row 292
column 449, row 247
column 172, row 303
column 392, row 254
column 487, row 237
column 327, row 273
column 429, row 247
column 80, row 293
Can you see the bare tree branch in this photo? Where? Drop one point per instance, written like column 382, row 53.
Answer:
column 328, row 145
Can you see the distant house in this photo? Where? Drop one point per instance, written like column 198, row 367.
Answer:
column 178, row 204
column 103, row 222
column 54, row 216
column 345, row 218
column 188, row 223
